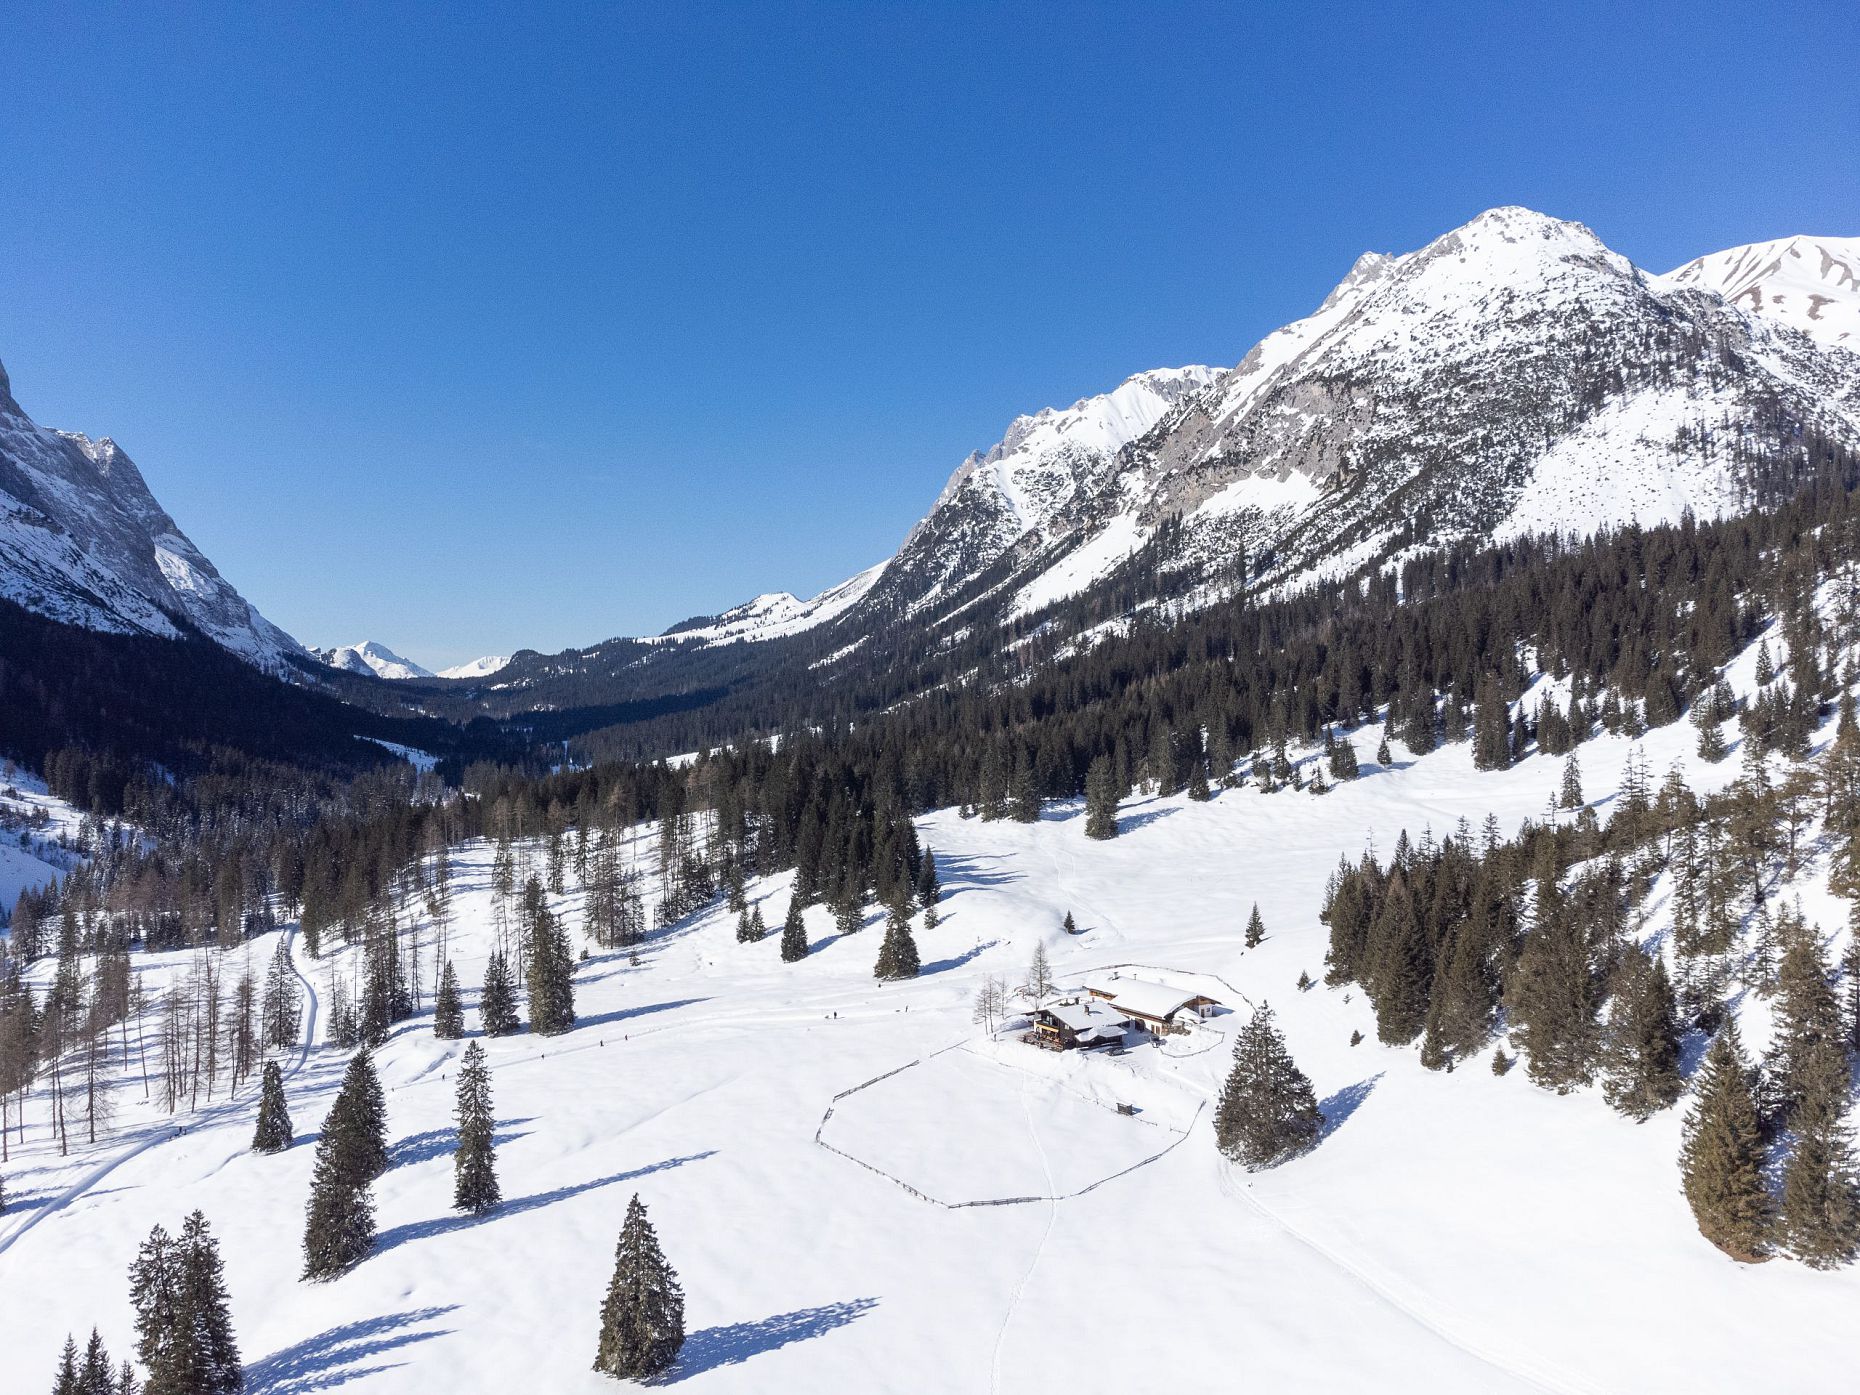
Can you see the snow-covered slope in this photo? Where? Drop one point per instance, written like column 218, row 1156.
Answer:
column 1451, row 1232
column 83, row 541
column 370, row 657
column 1513, row 375
column 476, row 668
column 774, row 614
column 1810, row 283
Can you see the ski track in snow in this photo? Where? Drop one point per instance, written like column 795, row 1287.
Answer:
column 1536, row 1374
column 1033, row 1262
column 211, row 1115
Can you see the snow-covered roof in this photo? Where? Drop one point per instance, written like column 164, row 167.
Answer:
column 1141, row 996
column 1084, row 1016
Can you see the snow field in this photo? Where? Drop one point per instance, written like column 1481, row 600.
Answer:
column 1451, row 1232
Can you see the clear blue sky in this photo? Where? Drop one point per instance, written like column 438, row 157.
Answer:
column 471, row 329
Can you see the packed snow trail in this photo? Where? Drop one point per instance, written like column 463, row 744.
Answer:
column 1052, row 1218
column 1538, row 1376
column 161, row 1134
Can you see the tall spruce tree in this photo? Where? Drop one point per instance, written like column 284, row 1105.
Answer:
column 1721, row 1161
column 497, row 1004
column 474, row 1164
column 897, row 956
column 273, row 1134
column 1267, row 1111
column 1807, row 1015
column 184, row 1331
column 1101, row 799
column 448, row 1010
column 1553, row 995
column 96, row 1376
column 339, row 1227
column 211, row 1355
column 551, row 966
column 1255, row 929
column 1819, row 1219
column 1640, row 1053
column 793, row 933
column 643, row 1315
column 66, row 1380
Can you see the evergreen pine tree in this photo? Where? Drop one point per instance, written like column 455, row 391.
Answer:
column 66, row 1381
column 897, row 956
column 1819, row 1219
column 551, row 965
column 929, row 889
column 1640, row 1053
column 1198, row 782
column 1023, row 790
column 339, row 1227
column 154, row 1287
column 1570, row 796
column 474, row 1164
column 793, row 933
column 849, row 908
column 643, row 1315
column 1721, row 1162
column 96, row 1377
column 1492, row 737
column 497, row 1004
column 1553, row 995
column 273, row 1134
column 1384, row 756
column 1807, row 1016
column 1255, row 929
column 1101, row 799
column 448, row 1010
column 209, row 1356
column 1267, row 1111
column 1400, row 966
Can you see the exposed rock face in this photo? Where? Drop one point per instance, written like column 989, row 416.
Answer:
column 83, row 541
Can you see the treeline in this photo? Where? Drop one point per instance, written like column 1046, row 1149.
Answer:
column 1535, row 942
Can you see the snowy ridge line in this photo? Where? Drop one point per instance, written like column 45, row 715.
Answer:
column 219, row 1111
column 820, row 1129
column 1552, row 1379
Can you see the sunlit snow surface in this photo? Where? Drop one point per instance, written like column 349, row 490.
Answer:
column 1452, row 1232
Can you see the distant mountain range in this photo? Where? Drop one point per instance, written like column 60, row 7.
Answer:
column 1514, row 375
column 368, row 657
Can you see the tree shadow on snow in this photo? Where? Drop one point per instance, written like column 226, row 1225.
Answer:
column 444, row 1225
column 957, row 872
column 334, row 1358
column 439, row 1143
column 734, row 1343
column 1148, row 816
column 1340, row 1106
column 937, row 966
column 603, row 1019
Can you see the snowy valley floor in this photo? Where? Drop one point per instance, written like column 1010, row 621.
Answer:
column 1451, row 1233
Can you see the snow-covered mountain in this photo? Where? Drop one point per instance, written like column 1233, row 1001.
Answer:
column 370, row 657
column 476, row 668
column 1812, row 283
column 1514, row 375
column 82, row 540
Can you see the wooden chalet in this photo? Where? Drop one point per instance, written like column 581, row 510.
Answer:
column 1078, row 1025
column 1158, row 1006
